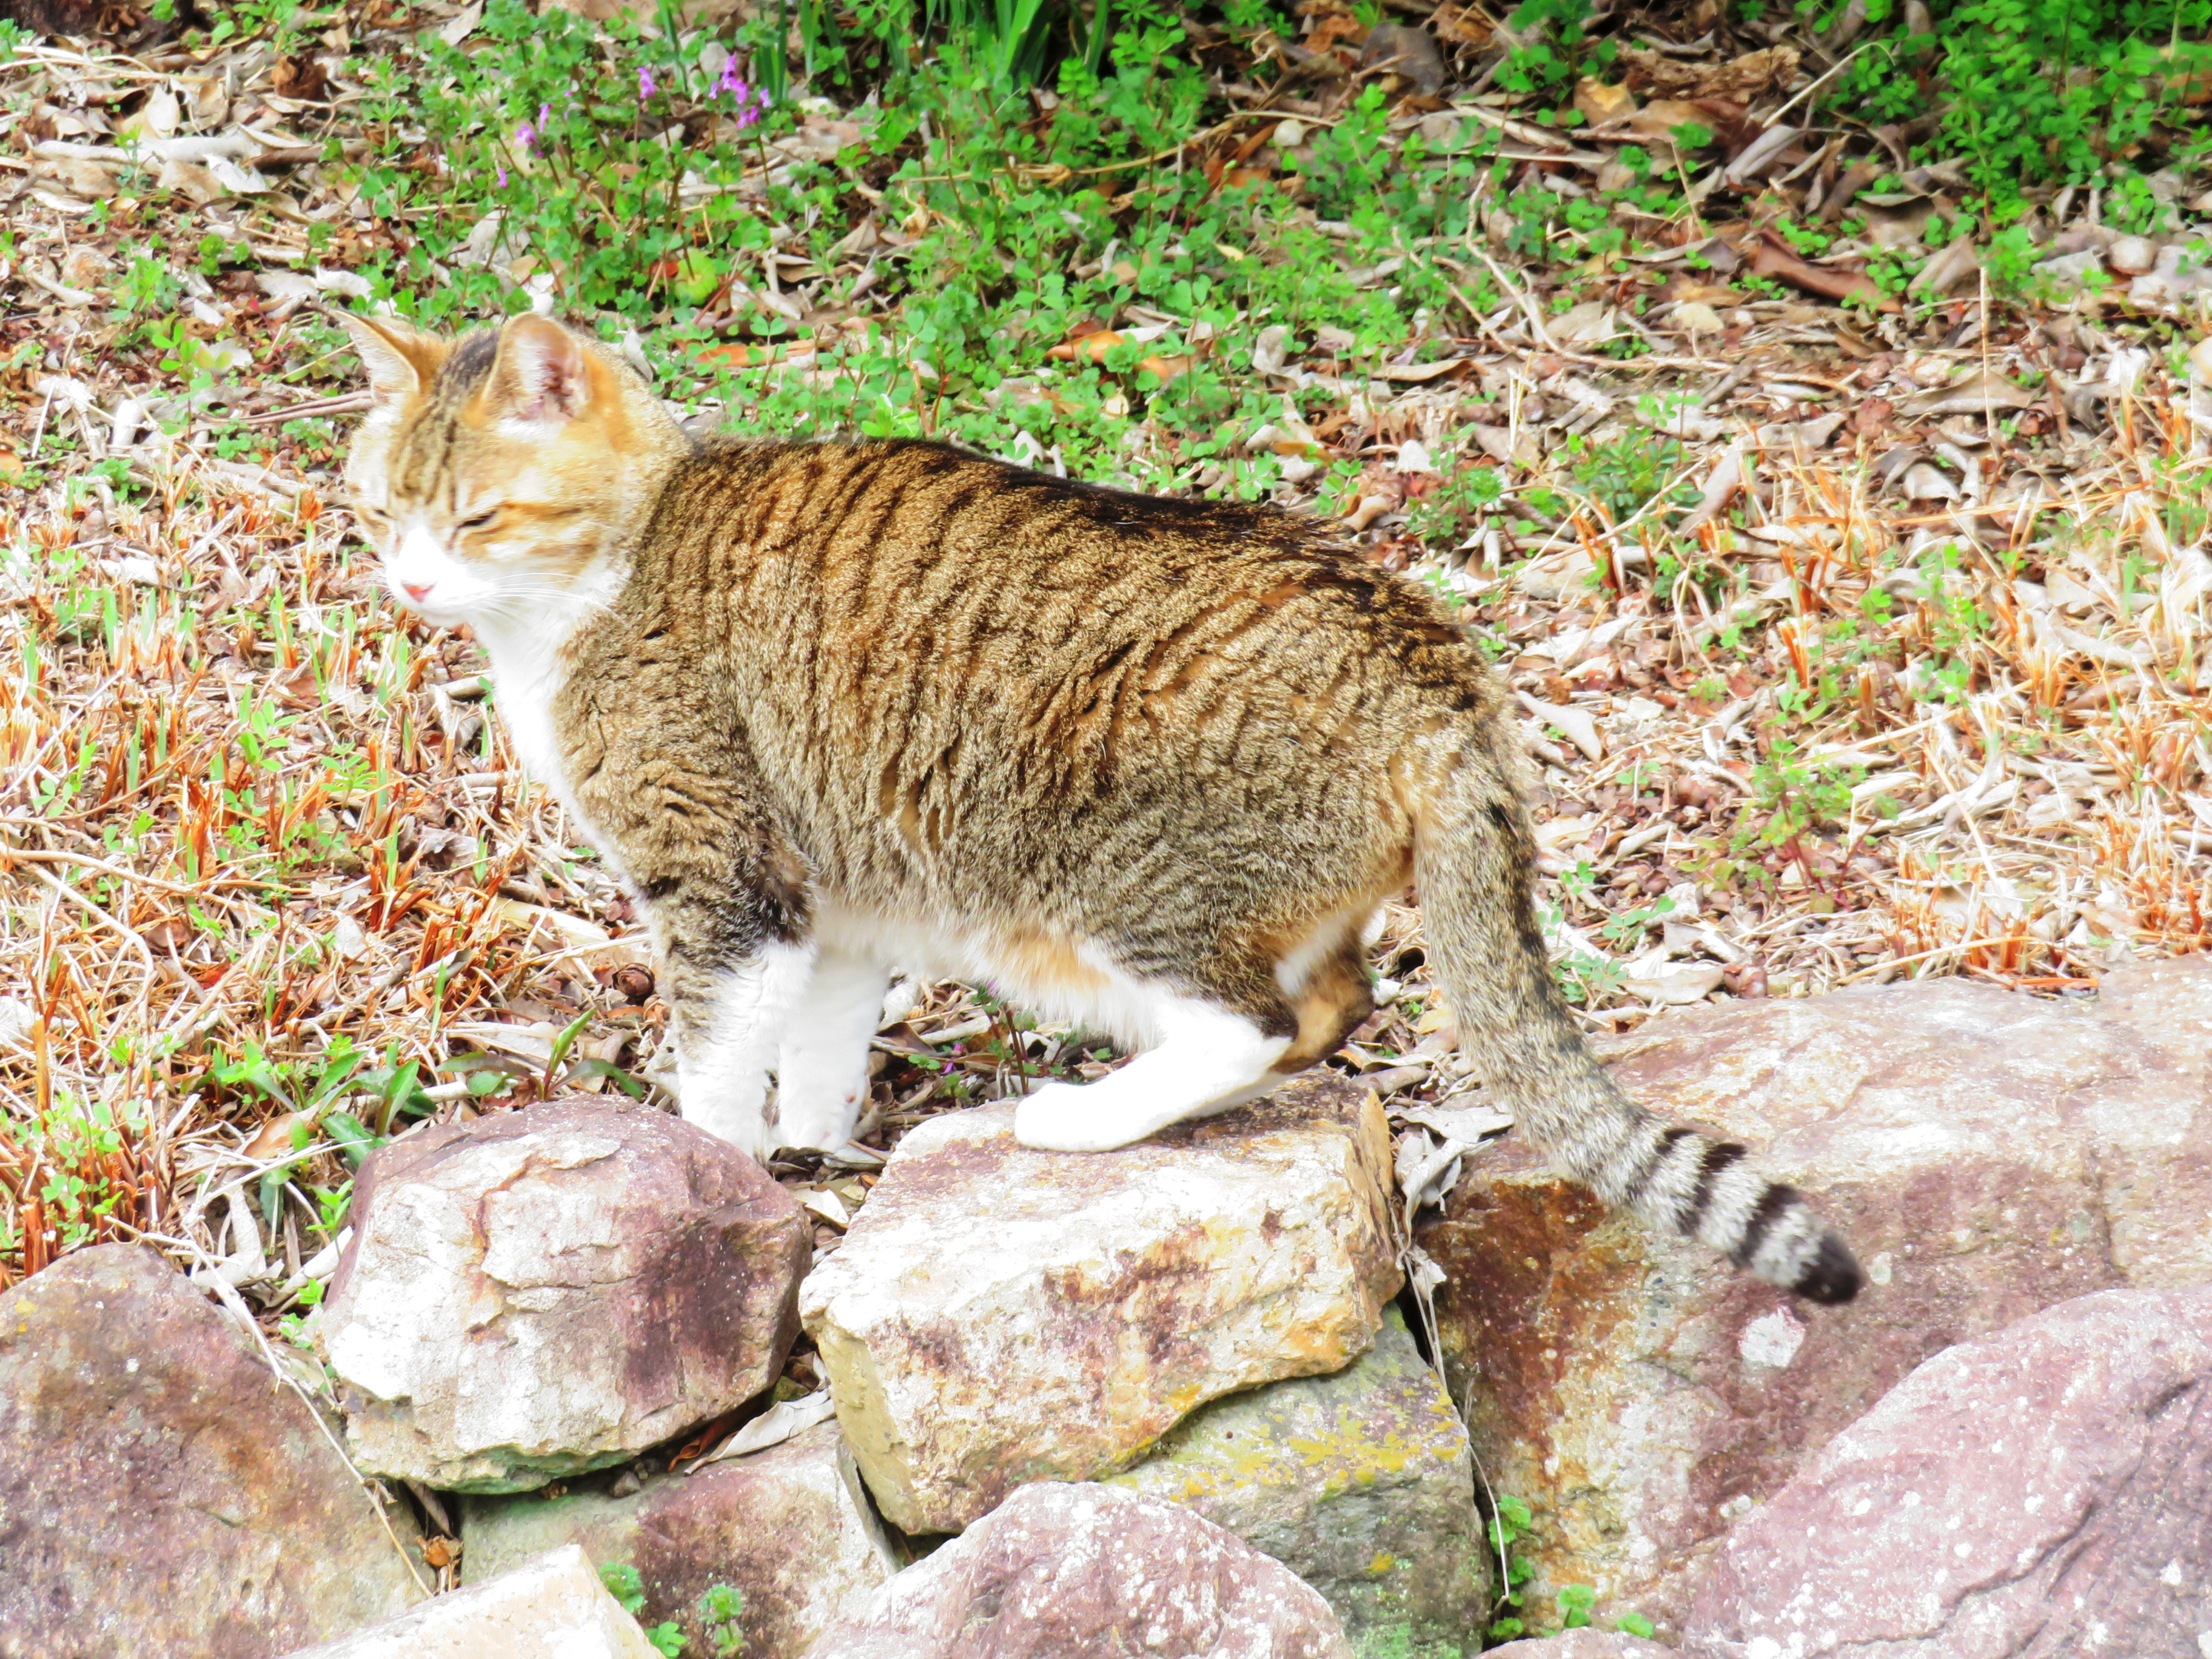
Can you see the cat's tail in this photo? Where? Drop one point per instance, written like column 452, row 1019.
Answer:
column 1474, row 863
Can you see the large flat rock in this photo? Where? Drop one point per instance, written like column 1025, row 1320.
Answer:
column 162, row 1492
column 555, row 1290
column 554, row 1607
column 1987, row 1154
column 789, row 1527
column 2042, row 1493
column 1360, row 1482
column 998, row 1315
column 1059, row 1571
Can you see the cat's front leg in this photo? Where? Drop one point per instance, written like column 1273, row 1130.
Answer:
column 822, row 1064
column 729, row 901
column 727, row 1020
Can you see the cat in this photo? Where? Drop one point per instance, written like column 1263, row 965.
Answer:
column 1145, row 764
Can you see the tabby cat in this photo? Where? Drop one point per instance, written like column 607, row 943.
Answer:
column 1147, row 765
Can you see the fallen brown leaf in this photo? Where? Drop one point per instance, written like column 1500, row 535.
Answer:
column 1774, row 260
column 300, row 77
column 1740, row 79
column 1600, row 103
column 1092, row 348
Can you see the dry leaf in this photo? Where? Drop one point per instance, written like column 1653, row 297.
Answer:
column 1773, row 260
column 1092, row 348
column 1979, row 393
column 1600, row 103
column 273, row 1138
column 1416, row 374
column 300, row 77
column 1738, row 81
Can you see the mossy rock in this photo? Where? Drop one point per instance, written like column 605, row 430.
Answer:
column 1360, row 1482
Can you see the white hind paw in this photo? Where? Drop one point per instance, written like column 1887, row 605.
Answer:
column 1066, row 1117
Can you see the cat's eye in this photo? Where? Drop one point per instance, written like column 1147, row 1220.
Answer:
column 479, row 521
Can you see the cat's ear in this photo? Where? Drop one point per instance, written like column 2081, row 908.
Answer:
column 542, row 373
column 401, row 362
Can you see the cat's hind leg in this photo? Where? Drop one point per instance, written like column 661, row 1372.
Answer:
column 1211, row 1058
column 1212, row 1053
column 822, row 1065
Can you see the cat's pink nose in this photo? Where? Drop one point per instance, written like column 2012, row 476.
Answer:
column 418, row 594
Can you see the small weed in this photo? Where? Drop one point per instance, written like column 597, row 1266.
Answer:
column 1511, row 1523
column 720, row 1609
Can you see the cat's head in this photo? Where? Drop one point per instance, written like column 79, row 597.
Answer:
column 495, row 472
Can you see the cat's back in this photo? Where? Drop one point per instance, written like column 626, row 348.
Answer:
column 896, row 555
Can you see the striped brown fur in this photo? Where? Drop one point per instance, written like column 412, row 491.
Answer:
column 1145, row 762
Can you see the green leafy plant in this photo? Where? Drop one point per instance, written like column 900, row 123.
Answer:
column 627, row 1589
column 720, row 1610
column 1510, row 1522
column 2031, row 90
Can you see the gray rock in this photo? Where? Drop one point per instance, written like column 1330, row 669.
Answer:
column 2038, row 1494
column 788, row 1527
column 1059, row 1571
column 998, row 1315
column 554, row 1607
column 1988, row 1154
column 555, row 1290
column 161, row 1492
column 1360, row 1482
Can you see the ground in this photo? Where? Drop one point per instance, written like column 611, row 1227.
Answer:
column 1858, row 637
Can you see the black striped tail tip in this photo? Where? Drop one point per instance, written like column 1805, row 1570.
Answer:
column 1833, row 1276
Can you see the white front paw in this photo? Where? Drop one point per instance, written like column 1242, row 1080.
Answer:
column 729, row 1121
column 819, row 1123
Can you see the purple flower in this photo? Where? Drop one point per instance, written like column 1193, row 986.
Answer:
column 545, row 116
column 502, row 175
column 644, row 81
column 523, row 136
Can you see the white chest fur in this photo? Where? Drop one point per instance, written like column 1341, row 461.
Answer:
column 529, row 663
column 526, row 679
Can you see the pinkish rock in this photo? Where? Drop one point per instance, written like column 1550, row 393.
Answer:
column 1057, row 1571
column 999, row 1314
column 555, row 1290
column 553, row 1608
column 1585, row 1643
column 1987, row 1153
column 162, row 1492
column 789, row 1527
column 2038, row 1494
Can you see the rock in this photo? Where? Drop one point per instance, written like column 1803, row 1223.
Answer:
column 788, row 1527
column 555, row 1606
column 2178, row 277
column 2131, row 255
column 555, row 1290
column 1585, row 1643
column 161, row 1492
column 1360, row 1483
column 1987, row 1153
column 1121, row 1290
column 2044, row 1491
column 1061, row 1569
